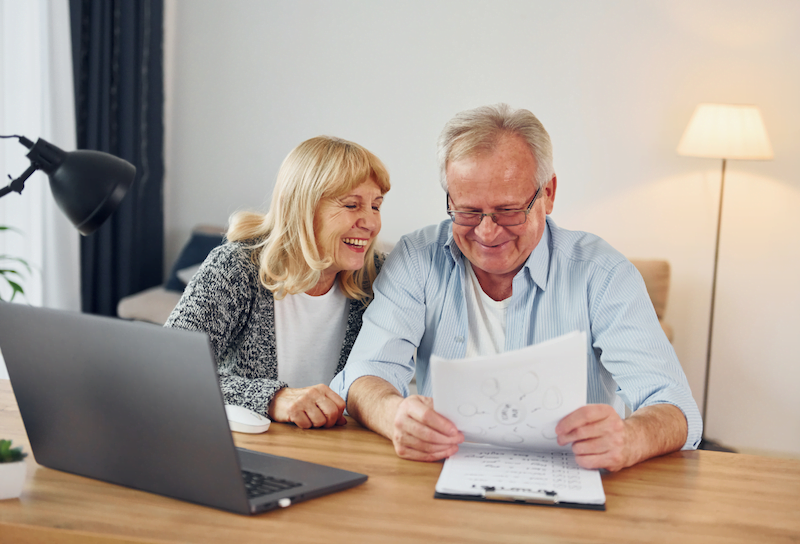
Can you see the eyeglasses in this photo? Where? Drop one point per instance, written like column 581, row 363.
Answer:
column 507, row 218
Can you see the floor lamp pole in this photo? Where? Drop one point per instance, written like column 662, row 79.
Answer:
column 713, row 294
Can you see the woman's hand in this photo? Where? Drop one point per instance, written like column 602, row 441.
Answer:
column 307, row 407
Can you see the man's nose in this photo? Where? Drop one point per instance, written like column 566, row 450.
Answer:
column 487, row 228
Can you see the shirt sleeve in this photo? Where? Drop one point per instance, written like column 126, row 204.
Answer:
column 392, row 325
column 220, row 301
column 634, row 350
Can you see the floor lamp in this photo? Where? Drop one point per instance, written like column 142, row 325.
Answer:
column 723, row 131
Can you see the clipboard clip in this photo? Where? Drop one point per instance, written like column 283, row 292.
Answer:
column 527, row 496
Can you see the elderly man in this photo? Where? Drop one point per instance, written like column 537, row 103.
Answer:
column 500, row 275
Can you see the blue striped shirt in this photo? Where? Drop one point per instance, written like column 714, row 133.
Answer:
column 571, row 281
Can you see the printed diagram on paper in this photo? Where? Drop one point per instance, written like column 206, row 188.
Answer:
column 514, row 399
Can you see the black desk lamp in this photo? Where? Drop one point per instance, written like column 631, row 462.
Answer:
column 87, row 185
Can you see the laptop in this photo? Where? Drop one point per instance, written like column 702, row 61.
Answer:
column 139, row 405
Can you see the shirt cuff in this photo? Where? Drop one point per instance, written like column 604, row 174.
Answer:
column 694, row 421
column 397, row 375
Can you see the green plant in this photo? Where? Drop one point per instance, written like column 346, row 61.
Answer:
column 9, row 270
column 9, row 454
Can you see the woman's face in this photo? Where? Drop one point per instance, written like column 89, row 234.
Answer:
column 348, row 224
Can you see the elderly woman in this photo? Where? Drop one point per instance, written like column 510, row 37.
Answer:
column 282, row 300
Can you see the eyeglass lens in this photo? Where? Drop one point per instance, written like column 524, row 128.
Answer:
column 504, row 219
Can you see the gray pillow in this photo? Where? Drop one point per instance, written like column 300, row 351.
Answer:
column 193, row 253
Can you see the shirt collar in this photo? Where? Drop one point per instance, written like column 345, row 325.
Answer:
column 537, row 264
column 450, row 243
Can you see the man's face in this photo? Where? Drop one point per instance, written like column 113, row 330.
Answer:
column 502, row 179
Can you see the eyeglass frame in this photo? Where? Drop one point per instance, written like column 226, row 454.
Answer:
column 493, row 215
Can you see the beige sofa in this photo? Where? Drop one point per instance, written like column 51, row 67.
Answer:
column 153, row 305
column 156, row 303
column 656, row 275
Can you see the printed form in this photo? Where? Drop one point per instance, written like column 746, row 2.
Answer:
column 507, row 406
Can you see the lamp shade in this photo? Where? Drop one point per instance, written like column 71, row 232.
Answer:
column 726, row 131
column 87, row 185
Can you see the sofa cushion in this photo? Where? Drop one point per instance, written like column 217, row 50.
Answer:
column 655, row 273
column 186, row 274
column 656, row 278
column 193, row 253
column 153, row 305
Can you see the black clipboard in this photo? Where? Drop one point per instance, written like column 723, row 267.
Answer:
column 550, row 499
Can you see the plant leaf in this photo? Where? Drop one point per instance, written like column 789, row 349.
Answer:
column 16, row 260
column 15, row 288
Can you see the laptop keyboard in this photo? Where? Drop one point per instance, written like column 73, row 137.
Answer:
column 258, row 484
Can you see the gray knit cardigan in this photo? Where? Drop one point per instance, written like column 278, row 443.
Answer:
column 226, row 300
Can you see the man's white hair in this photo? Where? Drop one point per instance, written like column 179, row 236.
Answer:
column 480, row 129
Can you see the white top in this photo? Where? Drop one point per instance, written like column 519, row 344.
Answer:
column 486, row 318
column 309, row 332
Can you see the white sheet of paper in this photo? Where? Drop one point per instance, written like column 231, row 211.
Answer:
column 514, row 399
column 476, row 468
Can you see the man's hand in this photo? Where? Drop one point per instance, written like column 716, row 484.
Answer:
column 307, row 407
column 598, row 435
column 601, row 439
column 417, row 431
column 421, row 434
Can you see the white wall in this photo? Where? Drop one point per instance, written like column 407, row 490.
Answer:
column 615, row 83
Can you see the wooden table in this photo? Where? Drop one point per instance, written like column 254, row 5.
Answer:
column 698, row 496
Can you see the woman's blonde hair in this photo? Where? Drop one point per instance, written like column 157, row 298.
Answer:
column 284, row 241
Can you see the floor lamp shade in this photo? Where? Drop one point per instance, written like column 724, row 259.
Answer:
column 726, row 131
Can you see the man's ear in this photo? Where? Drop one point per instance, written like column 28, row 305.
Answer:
column 550, row 195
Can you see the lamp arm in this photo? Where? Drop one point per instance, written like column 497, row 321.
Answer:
column 18, row 184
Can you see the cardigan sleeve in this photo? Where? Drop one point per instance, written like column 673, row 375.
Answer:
column 225, row 300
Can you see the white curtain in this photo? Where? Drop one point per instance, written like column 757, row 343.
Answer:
column 36, row 101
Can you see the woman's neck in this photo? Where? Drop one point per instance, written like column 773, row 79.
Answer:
column 326, row 281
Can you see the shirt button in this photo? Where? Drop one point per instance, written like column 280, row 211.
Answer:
column 459, row 339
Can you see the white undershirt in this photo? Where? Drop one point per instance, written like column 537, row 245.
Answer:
column 486, row 318
column 309, row 332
